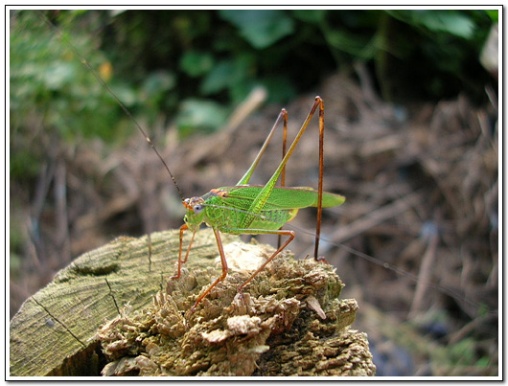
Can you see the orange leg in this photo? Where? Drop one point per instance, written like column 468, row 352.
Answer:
column 289, row 234
column 181, row 261
column 221, row 277
column 321, row 173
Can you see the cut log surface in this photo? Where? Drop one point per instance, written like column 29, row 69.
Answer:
column 57, row 323
column 114, row 311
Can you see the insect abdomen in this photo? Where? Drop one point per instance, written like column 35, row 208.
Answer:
column 229, row 220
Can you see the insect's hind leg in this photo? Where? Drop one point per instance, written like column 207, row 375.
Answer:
column 284, row 150
column 248, row 174
column 321, row 118
column 280, row 232
column 263, row 196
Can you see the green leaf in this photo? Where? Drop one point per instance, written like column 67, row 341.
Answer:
column 125, row 93
column 279, row 89
column 449, row 21
column 493, row 14
column 260, row 28
column 352, row 44
column 314, row 16
column 195, row 63
column 158, row 82
column 218, row 79
column 229, row 73
column 58, row 74
column 454, row 23
column 200, row 115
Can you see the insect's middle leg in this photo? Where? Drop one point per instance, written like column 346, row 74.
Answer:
column 221, row 277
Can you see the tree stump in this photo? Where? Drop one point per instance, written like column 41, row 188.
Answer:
column 114, row 311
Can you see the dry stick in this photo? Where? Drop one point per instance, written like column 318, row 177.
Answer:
column 425, row 274
column 44, row 180
column 62, row 218
column 473, row 325
column 251, row 103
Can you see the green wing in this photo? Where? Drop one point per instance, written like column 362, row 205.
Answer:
column 241, row 197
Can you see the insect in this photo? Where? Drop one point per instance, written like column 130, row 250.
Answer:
column 255, row 210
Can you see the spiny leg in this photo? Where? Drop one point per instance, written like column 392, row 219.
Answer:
column 189, row 246
column 289, row 234
column 321, row 173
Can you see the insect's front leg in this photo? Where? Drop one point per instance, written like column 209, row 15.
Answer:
column 181, row 261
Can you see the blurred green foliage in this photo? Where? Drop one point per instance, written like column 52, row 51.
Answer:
column 49, row 90
column 48, row 83
column 194, row 66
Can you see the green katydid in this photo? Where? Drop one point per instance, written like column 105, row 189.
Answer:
column 255, row 210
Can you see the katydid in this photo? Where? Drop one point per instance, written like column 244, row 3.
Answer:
column 256, row 210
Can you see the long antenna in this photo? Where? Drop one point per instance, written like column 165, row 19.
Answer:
column 108, row 89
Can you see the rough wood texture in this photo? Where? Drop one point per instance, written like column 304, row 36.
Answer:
column 58, row 322
column 117, row 300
